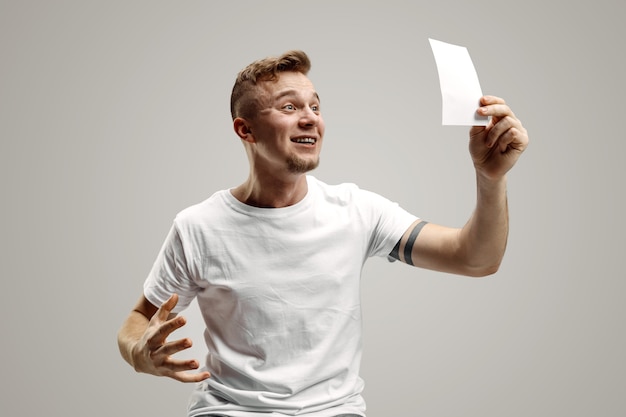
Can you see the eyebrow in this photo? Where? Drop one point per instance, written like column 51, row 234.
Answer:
column 292, row 92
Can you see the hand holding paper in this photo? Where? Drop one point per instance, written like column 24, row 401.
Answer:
column 460, row 88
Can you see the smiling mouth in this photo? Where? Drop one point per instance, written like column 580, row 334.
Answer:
column 305, row 141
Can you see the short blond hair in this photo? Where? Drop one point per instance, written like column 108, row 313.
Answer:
column 242, row 103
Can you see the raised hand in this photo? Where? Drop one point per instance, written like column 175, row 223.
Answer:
column 497, row 147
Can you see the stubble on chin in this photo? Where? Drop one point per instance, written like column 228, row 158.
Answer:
column 298, row 165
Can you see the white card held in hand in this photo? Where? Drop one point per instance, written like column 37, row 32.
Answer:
column 460, row 88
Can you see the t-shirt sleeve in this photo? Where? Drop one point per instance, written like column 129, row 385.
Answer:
column 389, row 221
column 170, row 274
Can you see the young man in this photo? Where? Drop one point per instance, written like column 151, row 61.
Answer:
column 275, row 263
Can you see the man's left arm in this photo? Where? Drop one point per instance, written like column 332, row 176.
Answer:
column 477, row 248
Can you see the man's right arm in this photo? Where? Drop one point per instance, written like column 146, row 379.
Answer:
column 142, row 341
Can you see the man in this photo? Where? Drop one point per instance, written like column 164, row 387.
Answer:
column 275, row 263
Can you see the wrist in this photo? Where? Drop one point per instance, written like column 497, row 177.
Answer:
column 134, row 356
column 488, row 185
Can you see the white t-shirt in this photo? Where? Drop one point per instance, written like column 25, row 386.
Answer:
column 279, row 291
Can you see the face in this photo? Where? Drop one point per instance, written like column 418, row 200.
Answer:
column 288, row 129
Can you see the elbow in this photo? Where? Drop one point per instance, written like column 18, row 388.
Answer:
column 483, row 270
column 481, row 264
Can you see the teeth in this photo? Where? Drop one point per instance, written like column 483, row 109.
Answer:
column 304, row 140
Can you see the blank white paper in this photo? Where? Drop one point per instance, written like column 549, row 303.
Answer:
column 460, row 88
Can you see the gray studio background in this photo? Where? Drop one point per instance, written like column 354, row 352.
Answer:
column 114, row 116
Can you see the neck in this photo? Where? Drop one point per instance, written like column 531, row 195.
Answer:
column 268, row 192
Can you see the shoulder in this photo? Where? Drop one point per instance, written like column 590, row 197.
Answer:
column 210, row 208
column 343, row 192
column 349, row 196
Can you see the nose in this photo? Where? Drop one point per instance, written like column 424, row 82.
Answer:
column 308, row 117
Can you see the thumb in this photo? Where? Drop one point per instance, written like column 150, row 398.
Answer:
column 166, row 308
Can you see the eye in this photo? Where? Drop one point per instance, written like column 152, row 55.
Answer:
column 289, row 107
column 315, row 108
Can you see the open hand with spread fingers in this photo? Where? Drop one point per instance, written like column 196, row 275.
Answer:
column 153, row 353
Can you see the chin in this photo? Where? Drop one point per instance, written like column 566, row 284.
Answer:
column 300, row 166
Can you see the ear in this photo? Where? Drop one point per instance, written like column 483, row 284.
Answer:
column 243, row 130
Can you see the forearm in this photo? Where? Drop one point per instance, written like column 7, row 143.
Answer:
column 483, row 239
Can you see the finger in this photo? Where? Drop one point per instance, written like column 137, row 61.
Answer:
column 513, row 138
column 518, row 139
column 178, row 369
column 191, row 377
column 162, row 332
column 171, row 348
column 166, row 308
column 169, row 365
column 505, row 140
column 497, row 110
column 162, row 359
column 500, row 128
column 487, row 100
